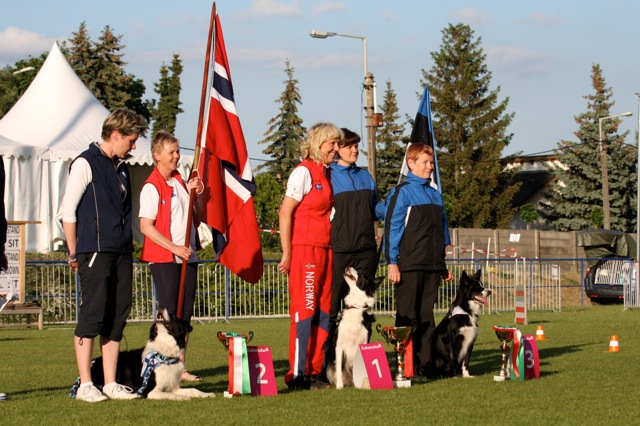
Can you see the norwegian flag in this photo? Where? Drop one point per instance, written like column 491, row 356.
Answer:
column 226, row 172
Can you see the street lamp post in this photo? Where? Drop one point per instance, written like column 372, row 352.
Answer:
column 638, row 199
column 605, row 171
column 369, row 99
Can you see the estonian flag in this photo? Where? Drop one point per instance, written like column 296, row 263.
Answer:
column 423, row 133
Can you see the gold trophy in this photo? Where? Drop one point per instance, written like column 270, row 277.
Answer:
column 224, row 337
column 399, row 338
column 505, row 335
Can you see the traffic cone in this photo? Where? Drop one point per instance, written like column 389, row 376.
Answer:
column 614, row 345
column 540, row 333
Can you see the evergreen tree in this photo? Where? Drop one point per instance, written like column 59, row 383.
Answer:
column 111, row 80
column 165, row 113
column 285, row 133
column 269, row 193
column 470, row 126
column 390, row 149
column 100, row 66
column 82, row 56
column 575, row 200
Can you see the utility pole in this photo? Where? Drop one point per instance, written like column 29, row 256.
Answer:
column 371, row 124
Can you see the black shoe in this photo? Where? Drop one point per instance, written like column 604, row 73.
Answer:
column 317, row 382
column 428, row 371
column 299, row 383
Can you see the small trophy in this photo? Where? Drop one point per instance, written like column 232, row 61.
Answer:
column 224, row 337
column 399, row 338
column 505, row 335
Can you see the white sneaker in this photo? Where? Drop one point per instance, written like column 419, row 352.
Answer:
column 120, row 392
column 90, row 394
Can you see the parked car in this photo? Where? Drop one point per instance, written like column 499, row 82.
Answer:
column 610, row 256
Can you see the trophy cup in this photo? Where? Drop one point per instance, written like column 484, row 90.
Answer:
column 399, row 338
column 224, row 337
column 505, row 335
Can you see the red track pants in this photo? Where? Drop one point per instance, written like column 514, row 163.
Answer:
column 310, row 282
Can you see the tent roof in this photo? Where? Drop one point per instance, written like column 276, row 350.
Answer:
column 600, row 243
column 57, row 117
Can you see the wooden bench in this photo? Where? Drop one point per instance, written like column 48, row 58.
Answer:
column 27, row 309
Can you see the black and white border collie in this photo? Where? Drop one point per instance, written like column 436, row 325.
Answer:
column 456, row 334
column 155, row 370
column 354, row 327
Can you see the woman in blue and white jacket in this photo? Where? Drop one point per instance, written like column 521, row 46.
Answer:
column 353, row 239
column 416, row 235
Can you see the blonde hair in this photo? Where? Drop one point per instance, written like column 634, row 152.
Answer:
column 124, row 121
column 318, row 134
column 160, row 140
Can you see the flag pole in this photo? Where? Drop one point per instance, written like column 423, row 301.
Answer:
column 196, row 159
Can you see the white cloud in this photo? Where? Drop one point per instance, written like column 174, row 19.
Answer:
column 272, row 8
column 545, row 20
column 16, row 44
column 389, row 17
column 326, row 6
column 517, row 60
column 471, row 16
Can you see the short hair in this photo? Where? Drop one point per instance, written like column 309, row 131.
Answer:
column 415, row 149
column 350, row 138
column 124, row 121
column 160, row 139
column 318, row 134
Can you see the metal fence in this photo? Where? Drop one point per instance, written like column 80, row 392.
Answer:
column 221, row 295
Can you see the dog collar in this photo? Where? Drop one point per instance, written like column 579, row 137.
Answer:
column 151, row 361
column 457, row 310
column 365, row 308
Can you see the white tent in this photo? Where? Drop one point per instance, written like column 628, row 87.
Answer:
column 54, row 121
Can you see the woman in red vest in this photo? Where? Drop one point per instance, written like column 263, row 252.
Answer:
column 305, row 233
column 164, row 207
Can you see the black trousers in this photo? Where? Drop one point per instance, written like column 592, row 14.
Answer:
column 366, row 263
column 416, row 295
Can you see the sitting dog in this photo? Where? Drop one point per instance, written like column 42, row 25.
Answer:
column 354, row 327
column 456, row 334
column 155, row 370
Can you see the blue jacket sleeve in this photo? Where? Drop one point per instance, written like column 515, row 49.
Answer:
column 395, row 225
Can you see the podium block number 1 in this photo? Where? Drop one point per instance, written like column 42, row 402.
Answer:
column 370, row 368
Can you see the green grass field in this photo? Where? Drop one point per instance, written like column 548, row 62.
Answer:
column 581, row 381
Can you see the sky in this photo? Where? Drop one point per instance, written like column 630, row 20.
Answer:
column 540, row 55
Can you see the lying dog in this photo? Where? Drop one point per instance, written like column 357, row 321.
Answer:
column 456, row 334
column 354, row 327
column 155, row 370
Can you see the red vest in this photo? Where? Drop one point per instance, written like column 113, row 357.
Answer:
column 311, row 224
column 152, row 252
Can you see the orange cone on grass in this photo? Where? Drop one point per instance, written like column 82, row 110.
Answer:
column 614, row 345
column 540, row 333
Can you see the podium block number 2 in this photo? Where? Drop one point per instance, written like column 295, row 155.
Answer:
column 261, row 374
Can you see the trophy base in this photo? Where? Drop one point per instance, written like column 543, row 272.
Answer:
column 402, row 384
